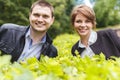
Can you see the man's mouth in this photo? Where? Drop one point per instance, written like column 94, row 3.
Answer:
column 38, row 24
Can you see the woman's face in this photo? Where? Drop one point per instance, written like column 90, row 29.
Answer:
column 82, row 25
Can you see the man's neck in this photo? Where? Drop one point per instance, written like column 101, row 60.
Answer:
column 36, row 36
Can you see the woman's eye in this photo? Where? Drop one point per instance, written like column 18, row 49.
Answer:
column 78, row 21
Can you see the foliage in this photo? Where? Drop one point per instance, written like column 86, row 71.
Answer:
column 62, row 17
column 63, row 67
column 14, row 11
column 107, row 12
column 17, row 11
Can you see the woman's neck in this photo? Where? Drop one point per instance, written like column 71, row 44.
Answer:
column 84, row 40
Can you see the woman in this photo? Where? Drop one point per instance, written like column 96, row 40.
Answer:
column 91, row 42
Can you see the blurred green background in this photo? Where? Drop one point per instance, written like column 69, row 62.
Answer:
column 17, row 11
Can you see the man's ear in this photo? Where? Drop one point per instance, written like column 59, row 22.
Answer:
column 52, row 21
column 29, row 15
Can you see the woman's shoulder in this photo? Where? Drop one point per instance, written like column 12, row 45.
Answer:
column 75, row 45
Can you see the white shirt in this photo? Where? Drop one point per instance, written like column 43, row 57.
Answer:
column 88, row 51
column 31, row 50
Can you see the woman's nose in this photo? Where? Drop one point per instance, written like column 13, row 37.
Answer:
column 83, row 24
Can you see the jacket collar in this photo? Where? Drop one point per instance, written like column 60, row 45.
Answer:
column 48, row 39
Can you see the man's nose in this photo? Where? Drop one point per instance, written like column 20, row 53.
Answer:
column 40, row 18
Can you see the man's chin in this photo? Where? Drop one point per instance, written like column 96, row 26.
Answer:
column 41, row 30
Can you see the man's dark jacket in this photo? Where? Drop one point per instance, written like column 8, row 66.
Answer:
column 107, row 43
column 12, row 41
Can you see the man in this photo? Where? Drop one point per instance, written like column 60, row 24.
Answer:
column 24, row 42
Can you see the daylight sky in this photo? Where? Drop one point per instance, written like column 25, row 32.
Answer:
column 87, row 2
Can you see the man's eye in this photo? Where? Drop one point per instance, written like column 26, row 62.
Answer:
column 36, row 15
column 45, row 16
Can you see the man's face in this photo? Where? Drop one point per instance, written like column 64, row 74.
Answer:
column 41, row 19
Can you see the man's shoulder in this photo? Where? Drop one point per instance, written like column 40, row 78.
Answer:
column 12, row 26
